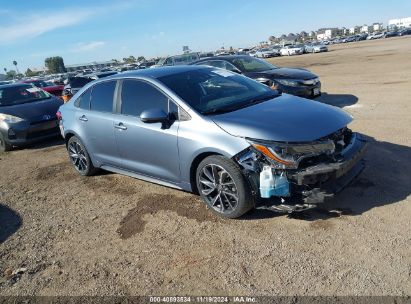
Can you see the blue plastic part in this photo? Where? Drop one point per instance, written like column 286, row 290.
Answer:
column 281, row 188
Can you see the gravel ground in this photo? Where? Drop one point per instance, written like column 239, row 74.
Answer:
column 62, row 234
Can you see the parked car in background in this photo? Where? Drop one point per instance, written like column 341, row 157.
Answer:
column 391, row 34
column 405, row 32
column 206, row 54
column 316, row 48
column 226, row 137
column 177, row 60
column 290, row 50
column 293, row 81
column 376, row 36
column 265, row 53
column 47, row 86
column 73, row 85
column 27, row 115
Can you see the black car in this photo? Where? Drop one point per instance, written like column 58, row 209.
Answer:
column 390, row 34
column 27, row 115
column 405, row 32
column 295, row 81
column 74, row 84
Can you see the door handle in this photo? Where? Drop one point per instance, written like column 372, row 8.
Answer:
column 120, row 126
column 83, row 118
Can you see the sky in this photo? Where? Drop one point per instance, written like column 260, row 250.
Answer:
column 83, row 31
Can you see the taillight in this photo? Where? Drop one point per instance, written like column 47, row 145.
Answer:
column 58, row 115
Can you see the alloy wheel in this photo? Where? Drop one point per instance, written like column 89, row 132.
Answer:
column 218, row 188
column 77, row 156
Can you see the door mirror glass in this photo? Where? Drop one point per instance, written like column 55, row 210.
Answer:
column 153, row 116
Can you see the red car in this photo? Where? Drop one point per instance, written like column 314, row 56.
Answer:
column 47, row 86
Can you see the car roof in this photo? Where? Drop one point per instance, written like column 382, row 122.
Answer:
column 11, row 85
column 156, row 72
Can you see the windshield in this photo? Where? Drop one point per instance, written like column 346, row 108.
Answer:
column 10, row 96
column 245, row 64
column 213, row 91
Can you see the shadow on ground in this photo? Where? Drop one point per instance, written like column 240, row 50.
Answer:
column 384, row 181
column 10, row 222
column 338, row 100
column 53, row 142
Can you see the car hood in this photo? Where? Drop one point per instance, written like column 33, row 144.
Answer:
column 285, row 119
column 34, row 111
column 291, row 73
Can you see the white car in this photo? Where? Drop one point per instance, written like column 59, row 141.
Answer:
column 265, row 53
column 316, row 48
column 291, row 50
column 376, row 36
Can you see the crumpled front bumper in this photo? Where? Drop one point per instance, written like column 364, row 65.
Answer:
column 336, row 175
column 311, row 186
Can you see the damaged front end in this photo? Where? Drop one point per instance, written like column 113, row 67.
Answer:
column 298, row 176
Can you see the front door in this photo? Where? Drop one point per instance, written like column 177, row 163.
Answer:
column 147, row 148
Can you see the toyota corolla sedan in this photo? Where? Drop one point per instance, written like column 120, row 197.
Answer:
column 27, row 115
column 234, row 141
column 295, row 81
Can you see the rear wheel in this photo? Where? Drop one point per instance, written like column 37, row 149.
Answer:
column 4, row 146
column 79, row 157
column 223, row 187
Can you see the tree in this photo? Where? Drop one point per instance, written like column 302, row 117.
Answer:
column 11, row 74
column 130, row 59
column 15, row 64
column 30, row 73
column 55, row 64
column 272, row 39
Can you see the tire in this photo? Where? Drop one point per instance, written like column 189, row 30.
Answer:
column 223, row 187
column 79, row 157
column 4, row 146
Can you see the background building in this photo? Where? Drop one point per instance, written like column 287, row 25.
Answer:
column 402, row 22
column 355, row 30
column 367, row 29
column 377, row 27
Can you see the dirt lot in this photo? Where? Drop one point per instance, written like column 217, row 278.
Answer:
column 111, row 234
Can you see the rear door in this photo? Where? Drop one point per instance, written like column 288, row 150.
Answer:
column 147, row 148
column 97, row 126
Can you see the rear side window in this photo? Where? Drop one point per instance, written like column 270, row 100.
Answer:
column 102, row 96
column 138, row 96
column 83, row 101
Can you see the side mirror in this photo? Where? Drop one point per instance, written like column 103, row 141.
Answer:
column 153, row 116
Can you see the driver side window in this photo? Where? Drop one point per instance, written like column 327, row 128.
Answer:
column 138, row 96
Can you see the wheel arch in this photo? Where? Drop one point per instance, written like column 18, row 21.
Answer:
column 194, row 165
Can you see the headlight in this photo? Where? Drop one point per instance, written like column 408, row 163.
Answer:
column 311, row 81
column 286, row 82
column 10, row 118
column 265, row 81
column 288, row 156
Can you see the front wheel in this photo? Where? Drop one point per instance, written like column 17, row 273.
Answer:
column 223, row 187
column 79, row 157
